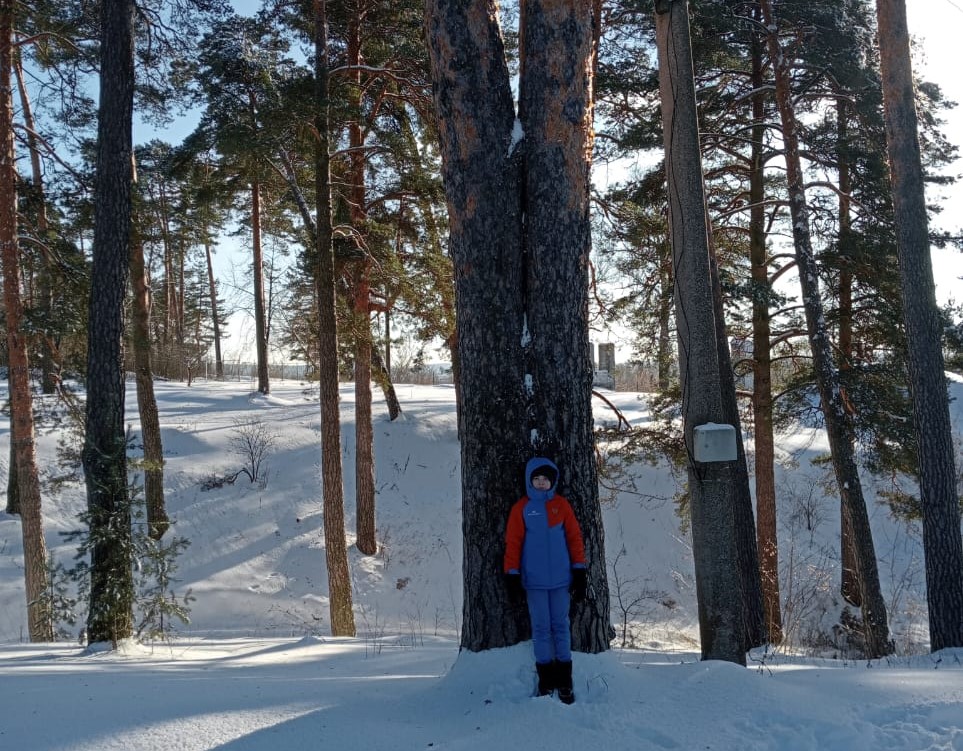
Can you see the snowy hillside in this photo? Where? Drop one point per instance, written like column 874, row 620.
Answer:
column 256, row 668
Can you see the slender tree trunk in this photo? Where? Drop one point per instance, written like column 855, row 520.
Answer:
column 110, row 616
column 555, row 110
column 838, row 425
column 215, row 318
column 942, row 547
column 157, row 520
column 260, row 314
column 50, row 368
column 387, row 358
column 336, row 553
column 718, row 580
column 666, row 355
column 849, row 585
column 39, row 619
column 364, row 435
column 762, row 362
column 13, row 488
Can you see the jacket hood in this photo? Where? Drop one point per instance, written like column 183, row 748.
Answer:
column 533, row 464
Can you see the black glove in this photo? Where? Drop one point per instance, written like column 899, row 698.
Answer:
column 579, row 584
column 513, row 583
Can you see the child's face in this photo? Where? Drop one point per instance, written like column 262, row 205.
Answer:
column 541, row 482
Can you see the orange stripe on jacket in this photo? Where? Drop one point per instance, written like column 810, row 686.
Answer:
column 559, row 508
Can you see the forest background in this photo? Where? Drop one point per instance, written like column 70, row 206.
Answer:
column 935, row 27
column 245, row 165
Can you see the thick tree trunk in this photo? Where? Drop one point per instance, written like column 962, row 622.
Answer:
column 718, row 580
column 157, row 520
column 838, row 425
column 260, row 309
column 943, row 550
column 335, row 546
column 39, row 620
column 555, row 110
column 765, row 476
column 519, row 243
column 481, row 169
column 740, row 495
column 110, row 617
column 215, row 318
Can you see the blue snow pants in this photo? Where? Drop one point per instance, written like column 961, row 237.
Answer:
column 551, row 633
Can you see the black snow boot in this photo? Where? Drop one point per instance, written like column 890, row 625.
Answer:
column 546, row 678
column 563, row 681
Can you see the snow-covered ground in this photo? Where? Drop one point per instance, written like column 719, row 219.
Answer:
column 256, row 668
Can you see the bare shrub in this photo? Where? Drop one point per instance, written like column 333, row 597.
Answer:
column 253, row 442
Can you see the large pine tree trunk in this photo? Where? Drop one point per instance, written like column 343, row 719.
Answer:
column 765, row 477
column 476, row 116
column 520, row 243
column 110, row 617
column 942, row 546
column 335, row 546
column 555, row 110
column 838, row 425
column 157, row 520
column 718, row 580
column 39, row 621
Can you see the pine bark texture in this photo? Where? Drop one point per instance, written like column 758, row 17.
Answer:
column 110, row 617
column 519, row 240
column 332, row 481
column 740, row 494
column 943, row 551
column 719, row 585
column 39, row 621
column 838, row 425
column 765, row 476
column 157, row 519
column 555, row 110
column 482, row 176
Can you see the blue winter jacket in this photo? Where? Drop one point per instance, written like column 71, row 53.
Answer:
column 543, row 541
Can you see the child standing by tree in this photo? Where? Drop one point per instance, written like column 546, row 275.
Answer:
column 545, row 559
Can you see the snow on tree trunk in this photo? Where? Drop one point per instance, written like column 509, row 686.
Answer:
column 517, row 193
column 555, row 111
